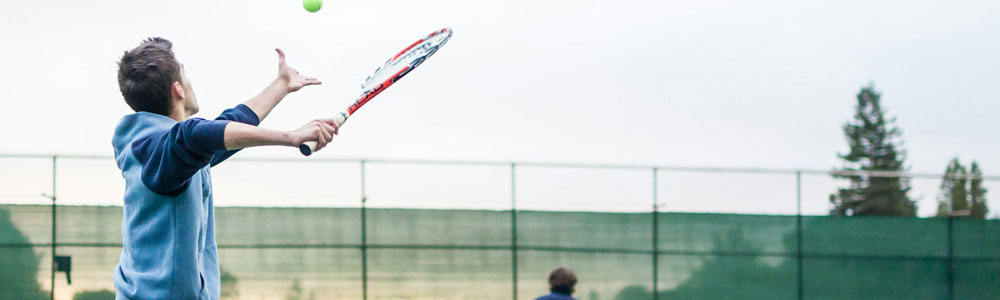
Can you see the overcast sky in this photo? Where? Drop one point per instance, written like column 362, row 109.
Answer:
column 692, row 83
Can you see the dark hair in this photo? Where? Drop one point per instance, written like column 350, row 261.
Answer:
column 146, row 75
column 562, row 280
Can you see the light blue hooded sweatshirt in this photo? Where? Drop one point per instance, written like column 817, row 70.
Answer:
column 168, row 230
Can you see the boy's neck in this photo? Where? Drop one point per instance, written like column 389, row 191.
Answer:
column 178, row 114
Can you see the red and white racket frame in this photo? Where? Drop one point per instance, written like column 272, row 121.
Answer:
column 416, row 53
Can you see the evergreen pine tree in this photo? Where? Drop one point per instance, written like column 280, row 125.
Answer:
column 875, row 145
column 945, row 191
column 954, row 189
column 962, row 191
column 977, row 193
column 18, row 265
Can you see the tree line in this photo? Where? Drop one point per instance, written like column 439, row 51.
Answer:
column 875, row 144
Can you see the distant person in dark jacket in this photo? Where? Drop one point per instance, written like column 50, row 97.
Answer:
column 561, row 282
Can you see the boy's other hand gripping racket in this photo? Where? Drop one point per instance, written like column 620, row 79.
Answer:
column 393, row 70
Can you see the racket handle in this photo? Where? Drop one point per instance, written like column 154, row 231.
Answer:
column 309, row 147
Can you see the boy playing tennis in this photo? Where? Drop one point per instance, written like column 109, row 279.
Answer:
column 168, row 231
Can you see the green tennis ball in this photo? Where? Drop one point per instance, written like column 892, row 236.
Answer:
column 312, row 5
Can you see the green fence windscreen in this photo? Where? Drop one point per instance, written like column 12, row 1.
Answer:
column 323, row 253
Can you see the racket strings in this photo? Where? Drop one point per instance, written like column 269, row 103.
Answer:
column 412, row 57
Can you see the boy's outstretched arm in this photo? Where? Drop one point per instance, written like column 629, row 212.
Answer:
column 289, row 80
column 239, row 135
column 170, row 157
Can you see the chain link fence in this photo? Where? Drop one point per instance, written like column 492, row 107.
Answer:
column 380, row 229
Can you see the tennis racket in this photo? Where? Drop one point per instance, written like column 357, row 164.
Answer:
column 389, row 73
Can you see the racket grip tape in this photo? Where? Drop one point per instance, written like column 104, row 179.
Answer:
column 309, row 147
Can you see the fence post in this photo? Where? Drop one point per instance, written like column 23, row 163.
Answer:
column 52, row 266
column 513, row 229
column 798, row 229
column 364, row 237
column 951, row 259
column 656, row 243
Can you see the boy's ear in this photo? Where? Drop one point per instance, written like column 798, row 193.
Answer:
column 177, row 90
